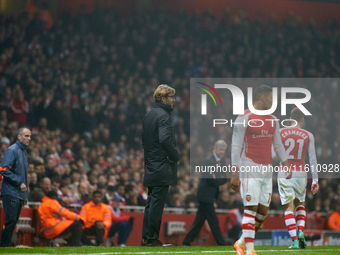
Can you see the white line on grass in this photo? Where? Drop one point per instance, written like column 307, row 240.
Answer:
column 181, row 252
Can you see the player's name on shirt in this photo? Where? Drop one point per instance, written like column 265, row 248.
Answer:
column 285, row 133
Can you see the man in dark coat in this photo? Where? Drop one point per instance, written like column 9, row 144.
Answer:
column 160, row 156
column 14, row 187
column 208, row 190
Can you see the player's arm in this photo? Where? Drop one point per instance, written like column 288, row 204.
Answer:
column 313, row 164
column 236, row 150
column 280, row 151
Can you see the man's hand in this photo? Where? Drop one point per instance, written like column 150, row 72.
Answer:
column 100, row 225
column 287, row 169
column 171, row 160
column 82, row 222
column 315, row 188
column 23, row 187
column 235, row 184
column 235, row 179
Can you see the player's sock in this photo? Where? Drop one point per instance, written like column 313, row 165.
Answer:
column 259, row 218
column 300, row 217
column 240, row 241
column 291, row 224
column 248, row 230
column 250, row 247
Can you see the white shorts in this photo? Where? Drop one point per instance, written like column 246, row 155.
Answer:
column 293, row 188
column 255, row 188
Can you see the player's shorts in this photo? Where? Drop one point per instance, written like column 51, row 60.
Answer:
column 256, row 187
column 293, row 188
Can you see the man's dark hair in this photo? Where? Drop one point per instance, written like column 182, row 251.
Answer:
column 262, row 90
column 96, row 192
column 74, row 171
column 296, row 114
column 128, row 188
column 65, row 176
column 52, row 194
column 38, row 163
column 55, row 178
column 120, row 184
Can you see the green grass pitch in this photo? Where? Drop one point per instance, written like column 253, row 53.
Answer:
column 275, row 250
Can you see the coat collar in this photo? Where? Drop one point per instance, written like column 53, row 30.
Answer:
column 21, row 145
column 164, row 106
column 92, row 204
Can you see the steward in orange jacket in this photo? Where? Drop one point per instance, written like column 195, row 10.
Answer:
column 52, row 224
column 97, row 218
column 334, row 219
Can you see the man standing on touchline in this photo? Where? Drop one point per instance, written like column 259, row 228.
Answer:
column 14, row 186
column 160, row 156
column 207, row 193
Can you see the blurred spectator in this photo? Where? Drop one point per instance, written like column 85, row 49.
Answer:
column 4, row 144
column 33, row 181
column 55, row 185
column 101, row 188
column 121, row 192
column 121, row 223
column 20, row 107
column 67, row 195
column 108, row 197
column 39, row 169
column 173, row 198
column 133, row 197
column 224, row 201
column 83, row 192
column 191, row 199
column 39, row 192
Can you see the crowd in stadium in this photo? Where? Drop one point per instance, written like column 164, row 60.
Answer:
column 84, row 85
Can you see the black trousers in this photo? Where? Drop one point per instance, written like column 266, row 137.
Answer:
column 153, row 212
column 93, row 231
column 75, row 230
column 205, row 212
column 12, row 208
column 235, row 232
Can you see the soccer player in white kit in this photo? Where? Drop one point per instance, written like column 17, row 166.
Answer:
column 253, row 137
column 293, row 191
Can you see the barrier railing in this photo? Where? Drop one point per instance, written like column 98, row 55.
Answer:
column 134, row 208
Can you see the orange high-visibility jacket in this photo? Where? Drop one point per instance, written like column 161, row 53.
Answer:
column 91, row 213
column 334, row 221
column 51, row 214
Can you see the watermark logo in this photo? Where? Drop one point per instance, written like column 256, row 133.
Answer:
column 204, row 97
column 238, row 99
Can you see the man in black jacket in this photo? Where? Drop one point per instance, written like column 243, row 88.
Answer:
column 208, row 190
column 160, row 156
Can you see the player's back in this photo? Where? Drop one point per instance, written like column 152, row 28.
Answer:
column 258, row 136
column 296, row 142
